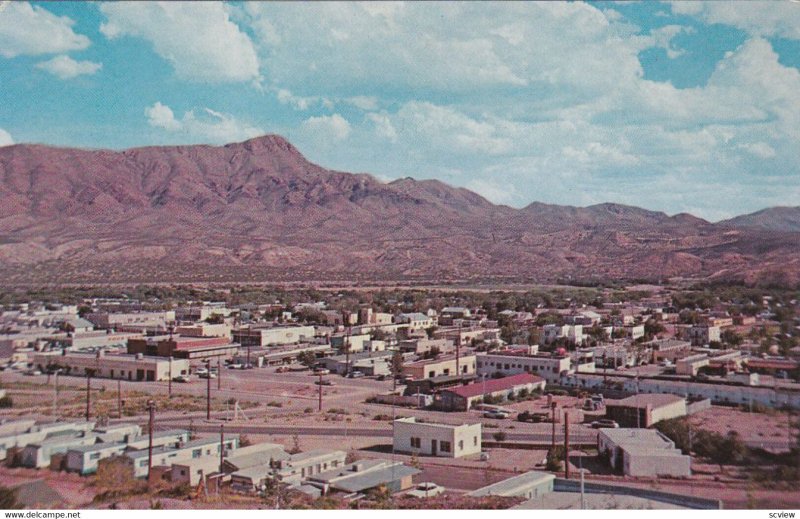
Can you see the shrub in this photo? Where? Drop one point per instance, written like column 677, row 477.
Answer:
column 274, row 404
column 499, row 436
column 6, row 402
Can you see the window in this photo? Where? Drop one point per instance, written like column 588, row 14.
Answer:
column 94, row 456
column 445, row 446
column 416, row 443
column 461, row 445
column 475, row 441
column 197, row 453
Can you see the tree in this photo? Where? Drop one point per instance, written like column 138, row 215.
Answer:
column 555, row 456
column 731, row 338
column 397, row 363
column 115, row 477
column 215, row 319
column 8, row 499
column 307, row 358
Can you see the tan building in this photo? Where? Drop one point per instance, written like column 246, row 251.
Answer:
column 447, row 441
column 642, row 453
column 123, row 366
column 449, row 365
column 646, row 409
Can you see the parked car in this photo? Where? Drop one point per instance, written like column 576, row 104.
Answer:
column 208, row 375
column 282, row 369
column 235, row 365
column 181, row 378
column 426, row 489
column 33, row 372
column 201, row 371
column 324, row 382
column 604, row 424
column 355, row 374
column 500, row 415
column 321, row 371
column 527, row 416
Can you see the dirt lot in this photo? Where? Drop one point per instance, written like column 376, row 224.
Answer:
column 752, row 427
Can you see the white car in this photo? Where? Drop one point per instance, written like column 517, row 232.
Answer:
column 426, row 489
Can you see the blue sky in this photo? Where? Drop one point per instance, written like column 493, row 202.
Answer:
column 674, row 106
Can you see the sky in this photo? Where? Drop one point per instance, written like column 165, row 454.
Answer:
column 672, row 106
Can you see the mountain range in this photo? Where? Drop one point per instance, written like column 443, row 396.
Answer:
column 259, row 211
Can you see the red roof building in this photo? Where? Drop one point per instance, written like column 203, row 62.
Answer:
column 464, row 397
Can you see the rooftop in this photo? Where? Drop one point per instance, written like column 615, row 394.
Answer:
column 495, row 384
column 643, row 400
column 511, row 486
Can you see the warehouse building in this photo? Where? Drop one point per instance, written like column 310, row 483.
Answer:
column 464, row 398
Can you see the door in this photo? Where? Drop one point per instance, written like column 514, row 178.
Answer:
column 433, row 447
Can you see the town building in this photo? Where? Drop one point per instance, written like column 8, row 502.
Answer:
column 645, row 410
column 365, row 475
column 116, row 320
column 551, row 368
column 441, row 366
column 202, row 329
column 368, row 363
column 529, row 485
column 463, row 398
column 119, row 366
column 189, row 348
column 433, row 439
column 689, row 366
column 642, row 453
column 273, row 335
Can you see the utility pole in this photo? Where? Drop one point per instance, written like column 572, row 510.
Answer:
column 169, row 383
column 221, row 447
column 320, row 392
column 88, row 394
column 119, row 398
column 458, row 351
column 553, row 420
column 347, row 352
column 566, row 445
column 55, row 395
column 151, row 406
column 208, row 390
column 219, row 373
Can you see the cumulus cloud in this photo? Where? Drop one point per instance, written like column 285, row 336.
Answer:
column 205, row 125
column 775, row 19
column 31, row 30
column 5, row 138
column 198, row 39
column 67, row 68
column 328, row 127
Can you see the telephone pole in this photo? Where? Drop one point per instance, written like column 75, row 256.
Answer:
column 119, row 398
column 208, row 390
column 55, row 395
column 221, row 448
column 458, row 351
column 219, row 373
column 88, row 394
column 553, row 420
column 320, row 392
column 566, row 445
column 151, row 407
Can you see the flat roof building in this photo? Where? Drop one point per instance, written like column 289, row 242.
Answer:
column 434, row 439
column 646, row 409
column 642, row 453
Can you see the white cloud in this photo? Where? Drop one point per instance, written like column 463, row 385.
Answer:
column 383, row 125
column 5, row 138
column 759, row 149
column 781, row 19
column 495, row 192
column 363, row 102
column 328, row 127
column 31, row 30
column 161, row 116
column 67, row 68
column 206, row 125
column 199, row 39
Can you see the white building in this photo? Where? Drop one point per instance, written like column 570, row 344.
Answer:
column 642, row 453
column 549, row 368
column 447, row 441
